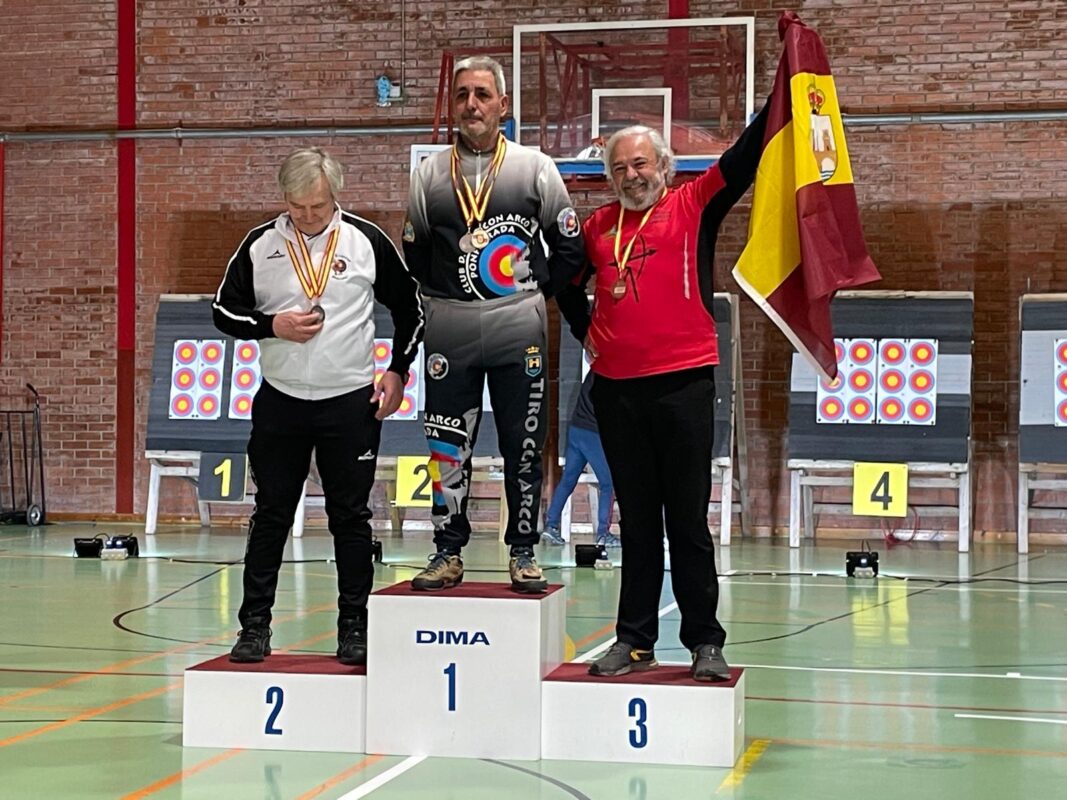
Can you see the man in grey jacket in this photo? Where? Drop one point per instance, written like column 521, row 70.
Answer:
column 305, row 284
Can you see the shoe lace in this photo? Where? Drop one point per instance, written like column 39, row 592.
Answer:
column 253, row 635
column 524, row 561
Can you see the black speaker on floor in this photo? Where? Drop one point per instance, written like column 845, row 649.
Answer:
column 586, row 555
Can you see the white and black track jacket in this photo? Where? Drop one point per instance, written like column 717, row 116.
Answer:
column 261, row 282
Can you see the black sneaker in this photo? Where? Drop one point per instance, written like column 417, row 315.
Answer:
column 253, row 645
column 709, row 664
column 352, row 642
column 622, row 658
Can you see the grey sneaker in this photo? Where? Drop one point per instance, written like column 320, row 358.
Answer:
column 709, row 664
column 253, row 645
column 526, row 576
column 551, row 535
column 608, row 540
column 622, row 658
column 443, row 572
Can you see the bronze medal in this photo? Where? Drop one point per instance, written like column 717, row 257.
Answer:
column 618, row 290
column 479, row 238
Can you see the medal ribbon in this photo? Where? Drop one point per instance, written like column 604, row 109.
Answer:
column 620, row 261
column 313, row 281
column 473, row 204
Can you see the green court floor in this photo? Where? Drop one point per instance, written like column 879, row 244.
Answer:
column 948, row 680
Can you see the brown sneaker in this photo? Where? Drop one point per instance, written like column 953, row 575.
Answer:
column 443, row 572
column 526, row 576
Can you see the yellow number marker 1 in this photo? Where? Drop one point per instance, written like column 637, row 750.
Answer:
column 879, row 490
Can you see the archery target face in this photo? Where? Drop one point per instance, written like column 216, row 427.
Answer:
column 886, row 381
column 1059, row 392
column 850, row 398
column 196, row 379
column 497, row 261
column 410, row 402
column 245, row 378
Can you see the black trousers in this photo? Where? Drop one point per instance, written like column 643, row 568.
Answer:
column 344, row 435
column 502, row 341
column 657, row 434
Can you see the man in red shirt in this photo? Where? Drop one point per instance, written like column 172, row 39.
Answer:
column 653, row 344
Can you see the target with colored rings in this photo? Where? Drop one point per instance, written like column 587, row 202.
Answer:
column 922, row 353
column 860, row 409
column 921, row 381
column 382, row 351
column 241, row 407
column 378, row 375
column 181, row 405
column 861, row 352
column 210, row 379
column 891, row 409
column 406, row 405
column 244, row 378
column 836, row 385
column 920, row 410
column 861, row 380
column 247, row 352
column 208, row 405
column 831, row 409
column 184, row 379
column 412, row 379
column 892, row 380
column 185, row 352
column 496, row 264
column 839, row 351
column 1061, row 411
column 211, row 353
column 893, row 352
column 1061, row 381
column 1061, row 353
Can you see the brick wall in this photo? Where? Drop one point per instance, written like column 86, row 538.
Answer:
column 969, row 207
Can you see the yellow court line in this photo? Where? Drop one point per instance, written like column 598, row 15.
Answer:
column 339, row 777
column 742, row 767
column 178, row 777
column 92, row 712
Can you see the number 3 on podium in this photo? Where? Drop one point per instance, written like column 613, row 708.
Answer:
column 222, row 477
column 879, row 490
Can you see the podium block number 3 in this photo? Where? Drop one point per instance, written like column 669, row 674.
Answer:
column 275, row 698
column 639, row 713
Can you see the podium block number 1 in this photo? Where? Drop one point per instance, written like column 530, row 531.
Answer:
column 275, row 698
column 450, row 671
column 639, row 713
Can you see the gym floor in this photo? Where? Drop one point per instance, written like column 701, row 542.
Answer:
column 945, row 677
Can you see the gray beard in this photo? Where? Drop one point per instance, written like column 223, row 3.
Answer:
column 630, row 204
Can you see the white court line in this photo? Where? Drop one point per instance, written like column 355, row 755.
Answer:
column 600, row 648
column 914, row 583
column 380, row 780
column 1014, row 676
column 1012, row 719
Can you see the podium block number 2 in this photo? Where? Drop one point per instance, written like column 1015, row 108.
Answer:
column 275, row 698
column 638, row 711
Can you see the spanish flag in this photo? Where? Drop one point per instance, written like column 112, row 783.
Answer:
column 804, row 236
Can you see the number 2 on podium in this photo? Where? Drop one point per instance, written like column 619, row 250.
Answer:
column 276, row 696
column 450, row 671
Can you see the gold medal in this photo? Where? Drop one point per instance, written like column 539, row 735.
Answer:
column 618, row 289
column 479, row 238
column 622, row 255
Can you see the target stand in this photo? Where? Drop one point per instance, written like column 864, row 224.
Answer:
column 902, row 396
column 1042, row 409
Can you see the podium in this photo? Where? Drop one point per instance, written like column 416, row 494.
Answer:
column 458, row 673
column 661, row 716
column 287, row 702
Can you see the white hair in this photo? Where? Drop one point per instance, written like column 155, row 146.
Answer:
column 663, row 153
column 482, row 64
column 302, row 168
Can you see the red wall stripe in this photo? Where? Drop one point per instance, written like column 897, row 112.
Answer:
column 126, row 256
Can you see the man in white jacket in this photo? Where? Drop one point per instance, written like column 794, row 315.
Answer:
column 305, row 284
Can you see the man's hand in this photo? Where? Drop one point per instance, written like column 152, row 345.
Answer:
column 297, row 326
column 389, row 391
column 590, row 349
